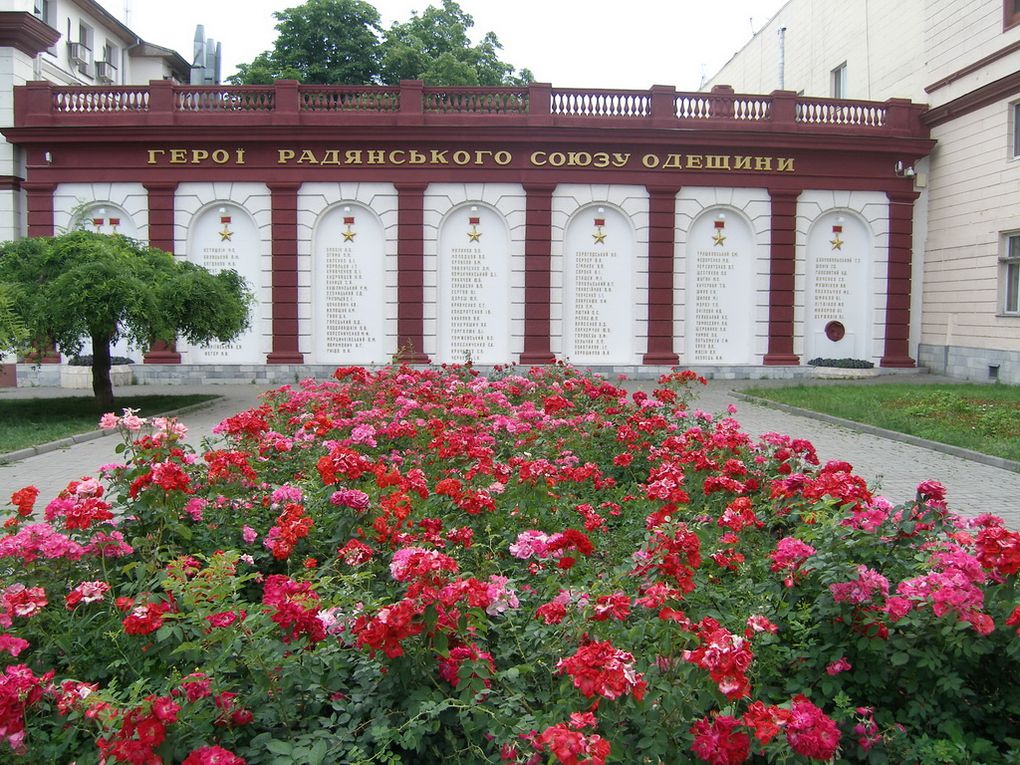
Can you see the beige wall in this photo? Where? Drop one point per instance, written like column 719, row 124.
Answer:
column 959, row 33
column 898, row 49
column 882, row 44
column 974, row 198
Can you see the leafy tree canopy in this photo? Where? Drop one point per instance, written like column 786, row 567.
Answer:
column 82, row 286
column 341, row 42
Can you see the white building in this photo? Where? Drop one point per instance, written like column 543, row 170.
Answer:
column 962, row 57
column 67, row 42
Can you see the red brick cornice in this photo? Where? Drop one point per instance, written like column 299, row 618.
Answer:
column 22, row 30
column 977, row 99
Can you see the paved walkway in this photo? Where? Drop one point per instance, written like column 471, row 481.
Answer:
column 892, row 466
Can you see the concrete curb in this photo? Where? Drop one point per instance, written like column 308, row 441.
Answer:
column 956, row 451
column 92, row 435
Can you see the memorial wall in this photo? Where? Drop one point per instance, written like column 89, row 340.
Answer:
column 604, row 228
column 474, row 272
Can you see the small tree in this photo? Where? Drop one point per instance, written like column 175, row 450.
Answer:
column 81, row 285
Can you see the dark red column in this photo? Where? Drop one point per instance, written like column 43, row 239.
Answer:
column 39, row 200
column 897, row 306
column 411, row 273
column 661, row 218
column 782, row 273
column 285, row 275
column 537, row 268
column 161, row 235
column 40, row 207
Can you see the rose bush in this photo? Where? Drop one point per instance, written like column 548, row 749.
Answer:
column 435, row 566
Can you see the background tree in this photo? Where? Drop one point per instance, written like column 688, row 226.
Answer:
column 341, row 42
column 82, row 285
column 435, row 47
column 320, row 41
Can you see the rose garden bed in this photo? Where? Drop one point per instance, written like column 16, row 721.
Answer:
column 430, row 566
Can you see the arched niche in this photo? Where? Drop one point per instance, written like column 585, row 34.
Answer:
column 837, row 299
column 224, row 236
column 721, row 253
column 348, row 302
column 473, row 310
column 598, row 304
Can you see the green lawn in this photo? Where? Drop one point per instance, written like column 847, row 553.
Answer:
column 34, row 421
column 985, row 418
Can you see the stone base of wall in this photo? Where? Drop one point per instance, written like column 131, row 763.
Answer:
column 977, row 364
column 50, row 375
column 81, row 377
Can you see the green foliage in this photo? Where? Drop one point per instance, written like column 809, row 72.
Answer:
column 320, row 41
column 981, row 417
column 12, row 329
column 85, row 286
column 435, row 47
column 342, row 42
column 841, row 363
column 33, row 421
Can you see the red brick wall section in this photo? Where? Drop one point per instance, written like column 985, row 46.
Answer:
column 284, row 284
column 40, row 207
column 410, row 273
column 782, row 274
column 661, row 214
column 161, row 235
column 897, row 309
column 537, row 260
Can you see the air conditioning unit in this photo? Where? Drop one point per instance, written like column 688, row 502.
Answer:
column 80, row 55
column 106, row 72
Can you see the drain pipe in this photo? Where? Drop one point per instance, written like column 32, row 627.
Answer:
column 782, row 58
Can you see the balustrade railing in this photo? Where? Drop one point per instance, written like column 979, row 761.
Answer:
column 475, row 100
column 100, row 100
column 604, row 103
column 849, row 113
column 661, row 107
column 339, row 98
column 236, row 99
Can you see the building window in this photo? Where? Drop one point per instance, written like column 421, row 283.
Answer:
column 839, row 81
column 1016, row 130
column 1011, row 276
column 1010, row 13
column 43, row 10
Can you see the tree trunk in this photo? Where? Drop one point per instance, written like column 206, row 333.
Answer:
column 102, row 386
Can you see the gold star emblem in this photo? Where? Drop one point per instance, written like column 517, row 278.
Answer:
column 225, row 234
column 474, row 234
column 349, row 235
column 719, row 238
column 837, row 243
column 599, row 237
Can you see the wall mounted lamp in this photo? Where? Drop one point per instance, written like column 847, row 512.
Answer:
column 904, row 170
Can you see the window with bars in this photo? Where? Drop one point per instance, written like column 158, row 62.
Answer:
column 1010, row 276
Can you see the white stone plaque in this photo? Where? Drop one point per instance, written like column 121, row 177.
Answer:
column 226, row 237
column 598, row 306
column 349, row 305
column 474, row 292
column 720, row 272
column 837, row 288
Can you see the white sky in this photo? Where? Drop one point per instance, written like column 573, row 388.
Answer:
column 629, row 44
